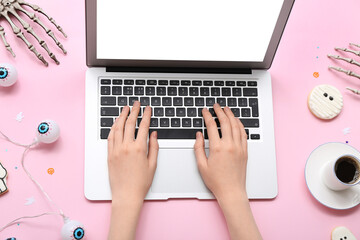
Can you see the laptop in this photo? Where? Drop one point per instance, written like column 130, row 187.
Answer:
column 179, row 57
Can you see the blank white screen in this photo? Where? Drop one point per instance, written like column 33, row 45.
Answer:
column 205, row 30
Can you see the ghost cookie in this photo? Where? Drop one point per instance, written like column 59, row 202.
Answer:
column 3, row 175
column 325, row 102
column 342, row 233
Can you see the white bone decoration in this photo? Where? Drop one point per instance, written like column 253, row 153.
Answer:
column 349, row 60
column 10, row 8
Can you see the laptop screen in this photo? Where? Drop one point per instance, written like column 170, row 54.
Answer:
column 195, row 30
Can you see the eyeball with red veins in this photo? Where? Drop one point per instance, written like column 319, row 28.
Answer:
column 48, row 131
column 8, row 75
column 342, row 233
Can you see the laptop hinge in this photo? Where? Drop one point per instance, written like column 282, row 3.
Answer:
column 180, row 70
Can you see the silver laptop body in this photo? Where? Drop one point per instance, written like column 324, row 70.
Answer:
column 178, row 89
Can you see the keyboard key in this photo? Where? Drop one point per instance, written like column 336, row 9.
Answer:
column 191, row 112
column 196, row 83
column 154, row 122
column 226, row 91
column 250, row 92
column 232, row 102
column 194, row 91
column 180, row 112
column 122, row 101
column 208, row 83
column 219, row 83
column 169, row 112
column 199, row 102
column 105, row 90
column 129, row 82
column 183, row 91
column 177, row 101
column 255, row 136
column 241, row 83
column 116, row 90
column 250, row 122
column 197, row 122
column 247, row 133
column 252, row 83
column 128, row 90
column 151, row 82
column 105, row 81
column 204, row 91
column 166, row 101
column 212, row 112
column 185, row 82
column 210, row 102
column 158, row 112
column 155, row 101
column 161, row 91
column 163, row 82
column 139, row 90
column 221, row 101
column 107, row 122
column 174, row 82
column 172, row 91
column 236, row 112
column 245, row 112
column 145, row 101
column 230, row 83
column 206, row 134
column 104, row 133
column 217, row 122
column 108, row 101
column 117, row 82
column 132, row 100
column 139, row 121
column 215, row 91
column 109, row 111
column 242, row 102
column 186, row 122
column 253, row 103
column 236, row 92
column 140, row 82
column 189, row 101
column 200, row 112
column 150, row 91
column 164, row 122
column 175, row 133
column 175, row 122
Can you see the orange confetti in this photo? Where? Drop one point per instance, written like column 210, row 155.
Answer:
column 51, row 171
column 316, row 74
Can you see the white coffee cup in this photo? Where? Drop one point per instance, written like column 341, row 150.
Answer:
column 341, row 173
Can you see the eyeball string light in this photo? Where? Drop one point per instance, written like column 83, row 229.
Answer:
column 48, row 132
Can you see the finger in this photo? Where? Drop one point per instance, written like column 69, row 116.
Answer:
column 144, row 125
column 199, row 149
column 210, row 125
column 119, row 126
column 234, row 125
column 224, row 122
column 111, row 137
column 130, row 125
column 243, row 135
column 153, row 150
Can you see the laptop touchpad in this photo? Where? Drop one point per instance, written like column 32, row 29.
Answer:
column 177, row 172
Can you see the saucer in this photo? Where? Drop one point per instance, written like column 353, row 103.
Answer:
column 343, row 199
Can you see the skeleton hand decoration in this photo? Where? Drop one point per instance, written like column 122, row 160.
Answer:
column 12, row 7
column 3, row 175
column 349, row 60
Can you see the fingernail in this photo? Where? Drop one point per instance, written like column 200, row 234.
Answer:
column 216, row 104
column 136, row 103
column 155, row 134
column 227, row 108
column 198, row 134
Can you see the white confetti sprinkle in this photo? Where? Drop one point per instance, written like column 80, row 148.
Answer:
column 29, row 201
column 19, row 116
column 346, row 130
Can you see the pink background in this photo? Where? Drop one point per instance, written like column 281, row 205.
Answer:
column 57, row 92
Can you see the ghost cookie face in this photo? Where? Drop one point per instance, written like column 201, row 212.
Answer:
column 325, row 102
column 3, row 175
column 342, row 233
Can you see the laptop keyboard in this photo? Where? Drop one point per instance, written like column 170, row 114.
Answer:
column 177, row 104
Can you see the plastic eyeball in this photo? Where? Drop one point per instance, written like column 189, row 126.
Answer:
column 8, row 74
column 48, row 131
column 72, row 230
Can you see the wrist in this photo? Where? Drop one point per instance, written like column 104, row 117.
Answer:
column 232, row 198
column 127, row 202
